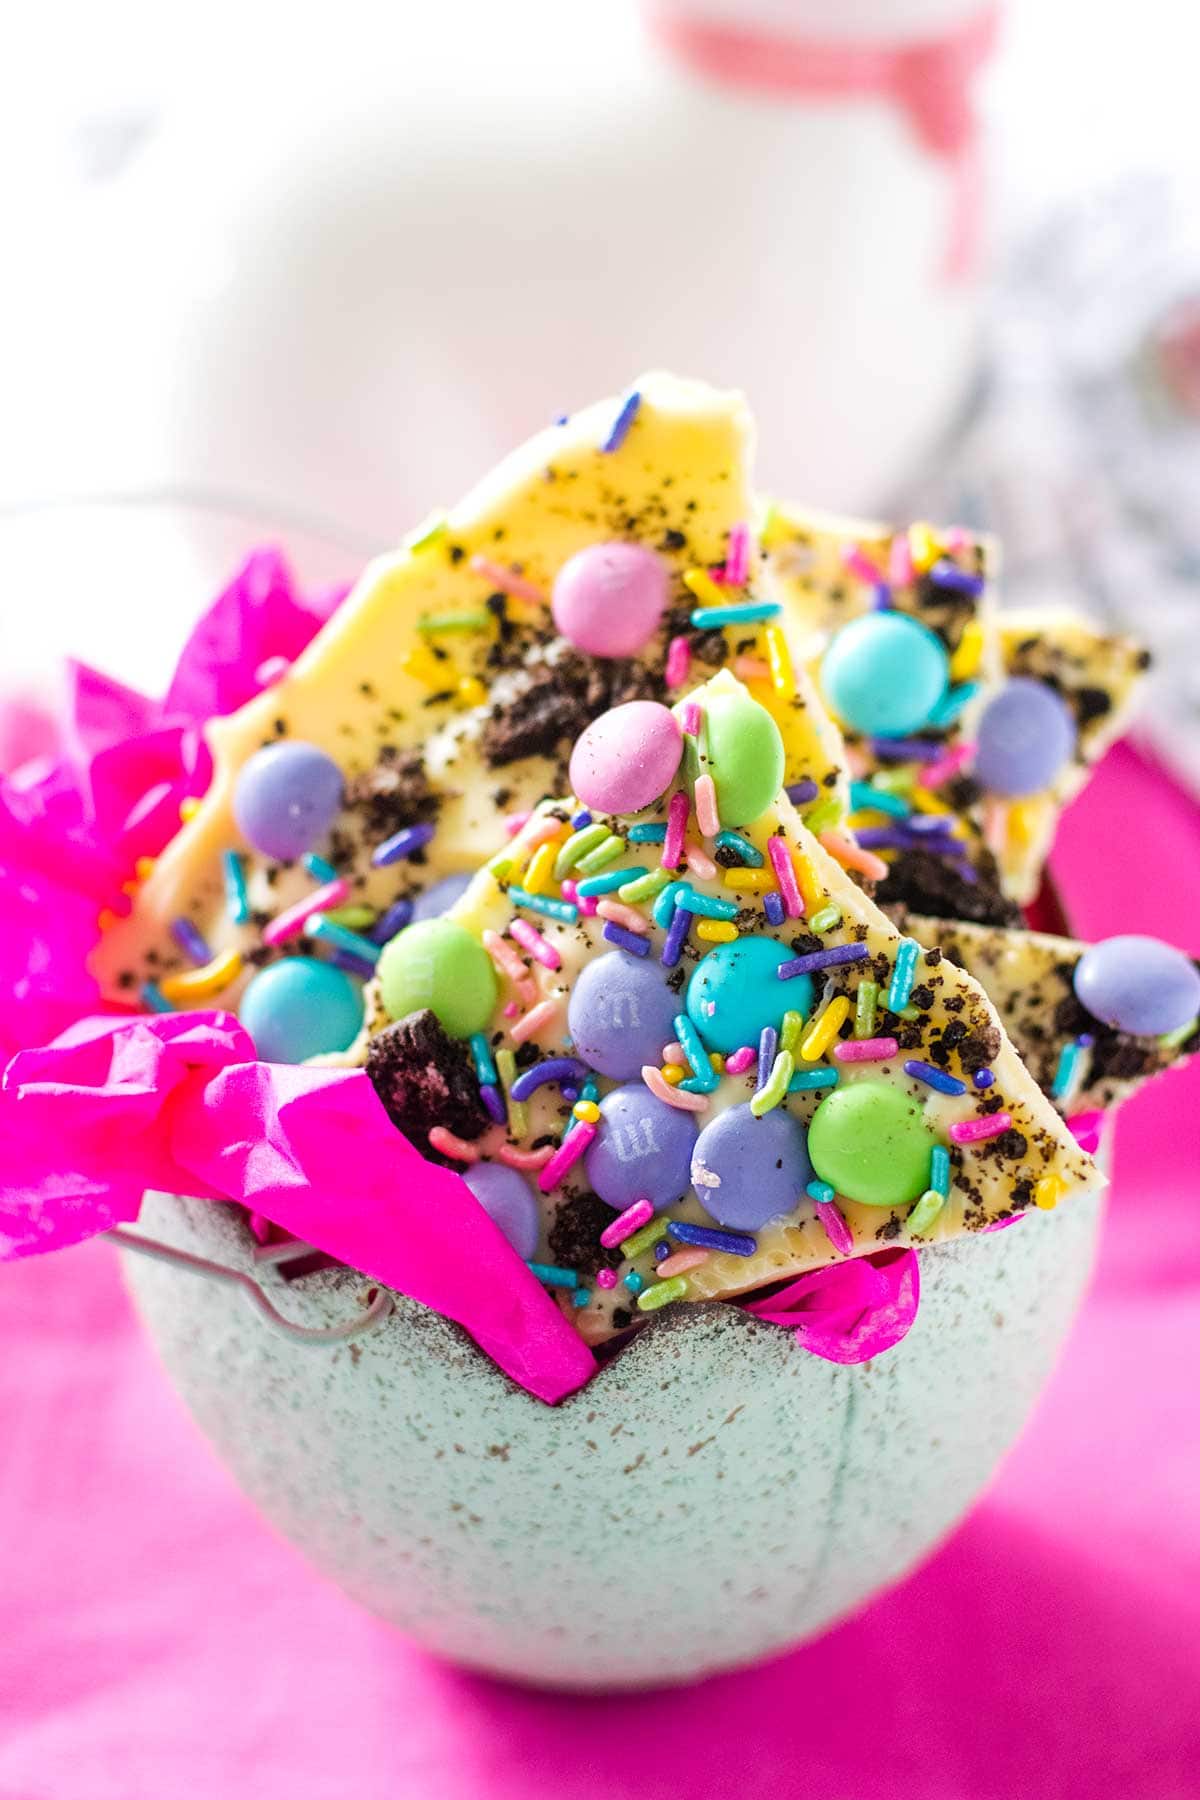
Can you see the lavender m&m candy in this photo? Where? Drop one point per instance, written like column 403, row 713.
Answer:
column 1139, row 985
column 643, row 1151
column 439, row 898
column 1026, row 735
column 508, row 1200
column 285, row 798
column 627, row 757
column 620, row 1014
column 609, row 598
column 747, row 1170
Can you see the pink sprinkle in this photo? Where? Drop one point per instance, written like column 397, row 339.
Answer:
column 957, row 538
column 751, row 668
column 511, row 1009
column 272, row 670
column 532, row 940
column 836, row 1228
column 566, row 1156
column 680, row 1263
column 976, row 1131
column 860, row 565
column 900, row 562
column 700, row 862
column 289, row 924
column 737, row 556
column 677, row 818
column 510, row 964
column 570, row 890
column 625, row 1224
column 740, row 1060
column 606, row 1278
column 785, row 875
column 691, row 719
column 1087, row 1128
column 995, row 824
column 848, row 853
column 524, row 1159
column 865, row 1050
column 587, row 904
column 515, row 822
column 673, row 1054
column 662, row 1090
column 620, row 914
column 935, row 773
column 506, row 580
column 679, row 662
column 858, row 765
column 446, row 1144
column 707, row 816
column 535, row 1020
column 543, row 831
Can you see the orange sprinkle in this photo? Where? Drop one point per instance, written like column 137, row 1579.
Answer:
column 521, row 1159
column 446, row 1144
column 681, row 1262
column 535, row 1020
column 620, row 914
column 844, row 850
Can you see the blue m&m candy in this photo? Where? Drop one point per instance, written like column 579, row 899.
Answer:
column 439, row 898
column 644, row 1150
column 884, row 673
column 1025, row 737
column 1139, row 985
column 300, row 1008
column 747, row 1170
column 508, row 1200
column 735, row 990
column 620, row 1014
column 285, row 798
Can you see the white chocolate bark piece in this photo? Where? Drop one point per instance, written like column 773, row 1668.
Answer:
column 1029, row 978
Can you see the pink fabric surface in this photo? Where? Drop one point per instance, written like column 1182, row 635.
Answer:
column 158, row 1641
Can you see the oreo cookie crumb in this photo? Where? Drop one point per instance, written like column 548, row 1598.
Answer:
column 929, row 884
column 575, row 1235
column 425, row 1078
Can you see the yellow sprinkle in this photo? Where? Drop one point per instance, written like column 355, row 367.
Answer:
column 924, row 547
column 144, row 867
column 701, row 584
column 717, row 1061
column 716, row 931
column 754, row 880
column 783, row 676
column 106, row 919
column 966, row 659
column 773, row 527
column 821, row 1034
column 201, row 984
column 1048, row 1192
column 672, row 1073
column 539, row 876
column 471, row 691
column 432, row 671
column 189, row 808
column 925, row 802
column 1022, row 822
column 586, row 1109
column 811, row 891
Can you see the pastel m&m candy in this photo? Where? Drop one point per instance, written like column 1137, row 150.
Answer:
column 438, row 964
column 643, row 1151
column 509, row 1202
column 884, row 673
column 735, row 990
column 627, row 757
column 870, row 1142
column 299, row 1008
column 743, row 754
column 1139, row 985
column 285, row 798
column 608, row 599
column 747, row 1170
column 620, row 1014
column 1026, row 735
column 439, row 898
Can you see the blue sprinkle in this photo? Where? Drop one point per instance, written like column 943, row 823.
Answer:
column 581, row 1296
column 400, row 844
column 481, row 1051
column 939, row 1169
column 565, row 911
column 551, row 1276
column 820, row 1191
column 680, row 925
column 190, row 941
column 318, row 868
column 626, row 940
column 801, row 792
column 698, row 1057
column 621, row 425
column 707, row 618
column 773, row 906
column 881, row 596
column 822, row 959
column 237, row 904
column 581, row 821
column 768, row 1038
column 1068, row 1062
column 903, row 971
column 635, row 1282
column 154, row 998
column 934, row 1077
column 708, row 907
column 706, row 1237
column 804, row 1081
column 983, row 1078
column 741, row 846
column 907, row 749
column 865, row 798
column 649, row 833
column 398, row 915
column 664, row 909
column 562, row 418
column 338, row 937
column 606, row 883
column 551, row 1068
column 946, row 573
column 661, row 1252
column 951, row 704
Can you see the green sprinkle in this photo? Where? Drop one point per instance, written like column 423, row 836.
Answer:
column 894, row 781
column 577, row 845
column 909, row 1013
column 354, row 918
column 825, row 814
column 428, row 534
column 500, row 865
column 1171, row 1040
column 565, row 911
column 645, row 886
column 550, row 1276
column 805, row 1080
column 826, row 919
column 606, row 884
column 454, row 621
column 770, row 1095
column 643, row 1239
column 602, row 856
column 925, row 1211
column 866, row 796
column 518, row 1111
column 864, row 1009
column 707, row 618
column 741, row 846
column 789, row 1030
column 662, row 1294
column 649, row 833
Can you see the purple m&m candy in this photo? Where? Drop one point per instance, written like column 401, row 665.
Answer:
column 285, row 799
column 621, row 1013
column 1139, row 985
column 627, row 757
column 747, row 1170
column 439, row 898
column 508, row 1200
column 1025, row 737
column 608, row 599
column 643, row 1151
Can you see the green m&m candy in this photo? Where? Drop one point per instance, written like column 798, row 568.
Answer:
column 870, row 1142
column 438, row 964
column 742, row 751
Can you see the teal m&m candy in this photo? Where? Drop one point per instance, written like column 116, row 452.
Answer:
column 884, row 673
column 436, row 963
column 300, row 1008
column 870, row 1142
column 735, row 990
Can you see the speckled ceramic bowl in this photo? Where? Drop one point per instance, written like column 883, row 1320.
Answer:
column 780, row 1491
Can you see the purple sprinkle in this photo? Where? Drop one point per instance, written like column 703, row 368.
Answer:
column 768, row 1038
column 677, row 932
column 947, row 574
column 822, row 959
column 552, row 1068
column 934, row 1078
column 773, row 906
column 627, row 940
column 562, row 418
column 966, row 873
column 737, row 1243
column 929, row 824
column 906, row 749
column 581, row 821
column 402, row 843
column 353, row 965
column 801, row 792
column 398, row 915
column 190, row 941
column 661, row 1252
column 621, row 424
column 570, row 1094
column 983, row 1078
column 494, row 1101
column 896, row 837
column 1085, row 1040
column 882, row 597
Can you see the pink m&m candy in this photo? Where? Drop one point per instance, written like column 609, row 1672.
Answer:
column 608, row 599
column 627, row 757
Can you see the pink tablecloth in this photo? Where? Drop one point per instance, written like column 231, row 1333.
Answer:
column 157, row 1642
